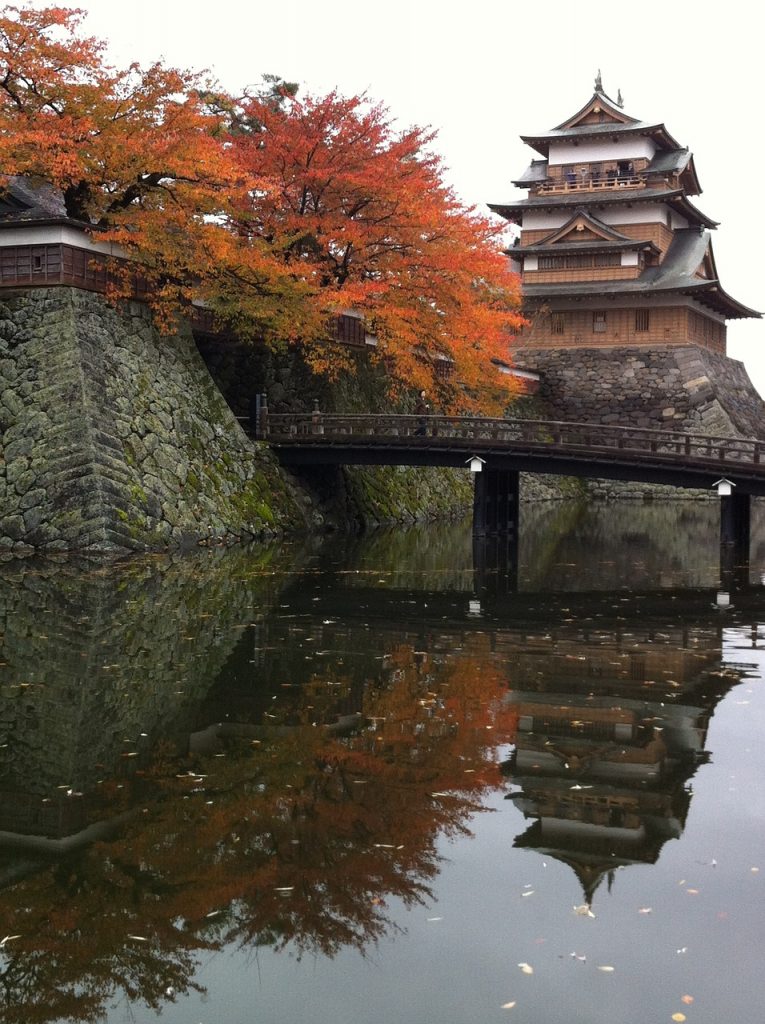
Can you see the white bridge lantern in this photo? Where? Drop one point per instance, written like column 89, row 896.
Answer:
column 724, row 487
column 476, row 463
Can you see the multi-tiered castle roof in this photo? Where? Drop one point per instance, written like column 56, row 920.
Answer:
column 612, row 251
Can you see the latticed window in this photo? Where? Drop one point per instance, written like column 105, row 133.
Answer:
column 557, row 323
column 642, row 319
column 608, row 259
column 349, row 330
column 599, row 323
column 552, row 262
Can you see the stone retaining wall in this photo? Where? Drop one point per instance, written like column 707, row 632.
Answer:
column 674, row 387
column 352, row 495
column 113, row 438
column 671, row 387
column 116, row 439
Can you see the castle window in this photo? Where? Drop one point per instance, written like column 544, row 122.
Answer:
column 557, row 323
column 608, row 259
column 552, row 262
column 599, row 323
column 642, row 319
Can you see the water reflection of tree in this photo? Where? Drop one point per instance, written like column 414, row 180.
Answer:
column 293, row 833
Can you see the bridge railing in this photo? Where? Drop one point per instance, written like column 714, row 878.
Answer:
column 326, row 428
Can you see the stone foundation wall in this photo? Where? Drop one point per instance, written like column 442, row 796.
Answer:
column 673, row 387
column 113, row 438
column 116, row 439
column 354, row 495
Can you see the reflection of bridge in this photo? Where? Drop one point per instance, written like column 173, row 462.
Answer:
column 506, row 447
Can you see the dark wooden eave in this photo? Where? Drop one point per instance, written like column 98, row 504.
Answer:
column 568, row 248
column 677, row 274
column 513, row 212
column 657, row 132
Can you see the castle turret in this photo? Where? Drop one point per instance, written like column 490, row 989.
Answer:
column 612, row 252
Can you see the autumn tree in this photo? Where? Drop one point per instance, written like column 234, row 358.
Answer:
column 275, row 212
column 361, row 211
column 139, row 156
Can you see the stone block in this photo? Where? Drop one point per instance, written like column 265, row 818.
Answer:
column 16, row 449
column 35, row 497
column 11, row 402
column 12, row 527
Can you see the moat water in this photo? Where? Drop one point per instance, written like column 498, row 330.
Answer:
column 362, row 781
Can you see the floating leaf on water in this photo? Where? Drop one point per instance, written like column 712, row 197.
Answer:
column 526, row 968
column 138, row 938
column 606, row 967
column 645, row 910
column 584, row 910
column 678, row 1016
column 687, row 1000
column 508, row 1006
column 693, row 892
column 434, row 919
column 529, row 892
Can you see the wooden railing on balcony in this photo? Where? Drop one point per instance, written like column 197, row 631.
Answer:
column 592, row 184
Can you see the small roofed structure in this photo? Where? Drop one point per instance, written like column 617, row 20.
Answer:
column 41, row 245
column 612, row 252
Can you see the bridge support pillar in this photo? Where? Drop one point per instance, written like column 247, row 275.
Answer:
column 735, row 519
column 496, row 502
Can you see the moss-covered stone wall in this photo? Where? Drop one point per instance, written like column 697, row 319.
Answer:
column 353, row 495
column 113, row 438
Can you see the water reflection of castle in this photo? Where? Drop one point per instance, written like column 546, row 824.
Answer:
column 610, row 727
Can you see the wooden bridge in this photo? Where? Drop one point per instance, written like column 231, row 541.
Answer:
column 506, row 447
column 534, row 446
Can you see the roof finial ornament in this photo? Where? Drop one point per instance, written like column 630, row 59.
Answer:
column 619, row 100
column 598, row 82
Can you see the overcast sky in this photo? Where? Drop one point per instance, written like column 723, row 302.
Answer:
column 482, row 72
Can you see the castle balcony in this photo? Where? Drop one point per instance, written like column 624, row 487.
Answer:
column 591, row 183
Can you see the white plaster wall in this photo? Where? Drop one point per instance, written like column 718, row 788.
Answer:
column 642, row 213
column 632, row 148
column 629, row 259
column 531, row 263
column 543, row 220
column 52, row 234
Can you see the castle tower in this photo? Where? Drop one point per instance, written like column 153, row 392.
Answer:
column 612, row 252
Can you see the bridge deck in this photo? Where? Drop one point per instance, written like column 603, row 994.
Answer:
column 536, row 446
